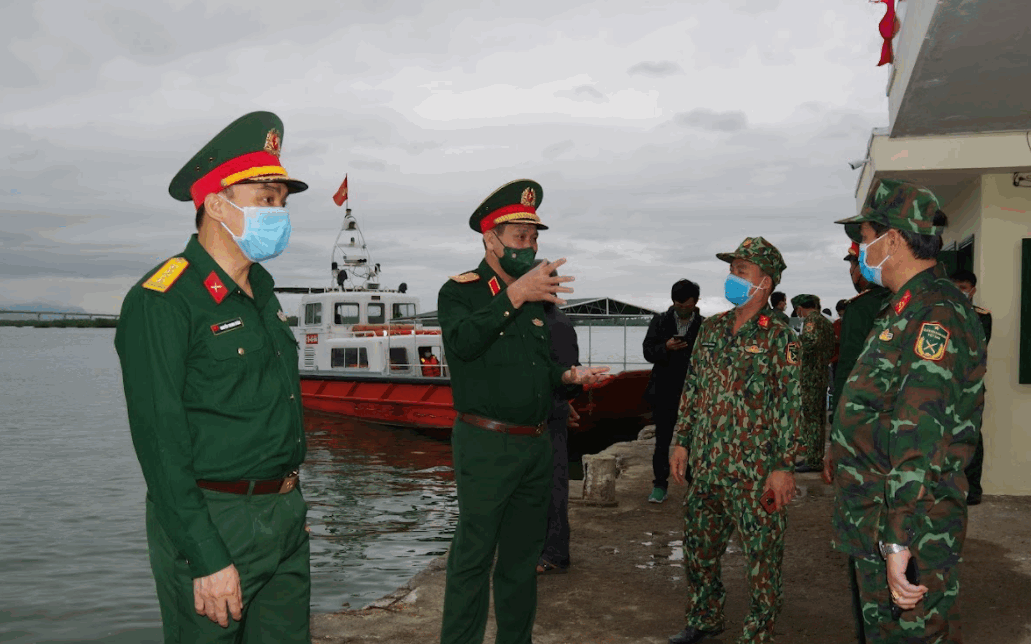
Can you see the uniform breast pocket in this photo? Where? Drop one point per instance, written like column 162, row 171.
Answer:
column 232, row 372
column 756, row 377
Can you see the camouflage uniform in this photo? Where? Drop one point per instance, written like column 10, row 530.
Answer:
column 817, row 339
column 739, row 419
column 906, row 425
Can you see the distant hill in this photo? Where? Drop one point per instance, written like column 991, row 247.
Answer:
column 42, row 306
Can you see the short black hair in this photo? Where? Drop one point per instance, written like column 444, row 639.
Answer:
column 777, row 297
column 922, row 246
column 841, row 305
column 963, row 275
column 684, row 290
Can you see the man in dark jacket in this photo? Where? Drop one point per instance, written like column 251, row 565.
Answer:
column 668, row 346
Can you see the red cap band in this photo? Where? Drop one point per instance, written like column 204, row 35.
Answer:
column 508, row 213
column 235, row 171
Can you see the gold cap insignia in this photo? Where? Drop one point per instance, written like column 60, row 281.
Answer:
column 272, row 142
column 529, row 198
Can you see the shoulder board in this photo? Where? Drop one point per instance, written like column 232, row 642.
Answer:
column 981, row 311
column 165, row 277
column 466, row 278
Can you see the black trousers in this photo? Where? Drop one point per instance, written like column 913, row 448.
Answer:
column 665, row 416
column 556, row 543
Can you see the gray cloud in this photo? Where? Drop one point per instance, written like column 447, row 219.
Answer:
column 657, row 69
column 556, row 150
column 710, row 120
column 139, row 34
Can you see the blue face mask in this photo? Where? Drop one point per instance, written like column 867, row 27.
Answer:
column 738, row 290
column 871, row 273
column 266, row 231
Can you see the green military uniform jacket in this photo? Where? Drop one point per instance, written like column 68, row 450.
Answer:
column 212, row 390
column 986, row 322
column 499, row 356
column 740, row 414
column 782, row 316
column 817, row 339
column 855, row 327
column 907, row 424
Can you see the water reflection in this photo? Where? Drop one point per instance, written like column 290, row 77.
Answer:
column 381, row 506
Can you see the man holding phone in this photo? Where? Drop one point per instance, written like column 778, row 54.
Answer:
column 667, row 345
column 739, row 420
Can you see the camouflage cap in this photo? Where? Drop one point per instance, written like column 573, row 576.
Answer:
column 761, row 253
column 807, row 301
column 897, row 204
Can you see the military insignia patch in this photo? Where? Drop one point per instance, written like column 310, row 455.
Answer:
column 808, row 327
column 165, row 276
column 466, row 278
column 886, row 335
column 216, row 288
column 792, row 353
column 755, row 349
column 903, row 302
column 495, row 288
column 764, row 321
column 222, row 327
column 272, row 142
column 538, row 322
column 932, row 341
column 528, row 198
column 281, row 315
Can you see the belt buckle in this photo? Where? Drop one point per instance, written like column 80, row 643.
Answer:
column 289, row 483
column 540, row 429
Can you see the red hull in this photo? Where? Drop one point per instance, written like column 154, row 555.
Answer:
column 429, row 405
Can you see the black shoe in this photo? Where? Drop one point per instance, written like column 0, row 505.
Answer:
column 691, row 635
column 973, row 499
column 805, row 468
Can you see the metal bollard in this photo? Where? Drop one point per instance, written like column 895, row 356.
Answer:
column 599, row 480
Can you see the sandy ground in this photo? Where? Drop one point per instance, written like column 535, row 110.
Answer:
column 626, row 584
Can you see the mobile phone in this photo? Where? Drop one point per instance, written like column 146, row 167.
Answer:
column 680, row 338
column 768, row 501
column 911, row 577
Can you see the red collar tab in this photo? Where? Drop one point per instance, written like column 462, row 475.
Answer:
column 764, row 321
column 216, row 288
column 903, row 302
column 495, row 287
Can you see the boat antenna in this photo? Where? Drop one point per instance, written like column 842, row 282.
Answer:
column 360, row 272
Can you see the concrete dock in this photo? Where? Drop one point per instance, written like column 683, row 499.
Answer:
column 626, row 584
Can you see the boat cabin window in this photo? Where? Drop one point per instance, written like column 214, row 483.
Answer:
column 377, row 314
column 313, row 313
column 349, row 358
column 406, row 310
column 345, row 313
column 399, row 359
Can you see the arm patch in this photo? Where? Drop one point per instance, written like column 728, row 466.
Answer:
column 792, row 353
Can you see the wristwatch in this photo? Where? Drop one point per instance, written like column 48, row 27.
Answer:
column 890, row 548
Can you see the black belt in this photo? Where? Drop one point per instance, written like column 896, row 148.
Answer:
column 499, row 426
column 275, row 486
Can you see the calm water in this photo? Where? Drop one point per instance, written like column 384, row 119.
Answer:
column 73, row 553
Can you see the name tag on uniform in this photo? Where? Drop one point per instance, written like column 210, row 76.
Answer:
column 709, row 345
column 223, row 327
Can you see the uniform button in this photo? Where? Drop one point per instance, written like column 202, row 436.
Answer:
column 533, row 364
column 291, row 396
column 240, row 351
column 506, row 314
column 279, row 353
column 502, row 333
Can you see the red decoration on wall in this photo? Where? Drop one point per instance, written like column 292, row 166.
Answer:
column 888, row 27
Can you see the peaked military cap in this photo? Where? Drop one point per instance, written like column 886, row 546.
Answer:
column 761, row 253
column 246, row 151
column 514, row 202
column 805, row 300
column 897, row 204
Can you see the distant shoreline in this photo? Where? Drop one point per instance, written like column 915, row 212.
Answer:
column 99, row 323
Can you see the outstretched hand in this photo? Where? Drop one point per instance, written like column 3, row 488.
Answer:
column 539, row 286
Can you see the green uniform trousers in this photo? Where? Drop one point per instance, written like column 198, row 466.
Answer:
column 712, row 513
column 935, row 620
column 266, row 538
column 504, row 488
column 814, row 422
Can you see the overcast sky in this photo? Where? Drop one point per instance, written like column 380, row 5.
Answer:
column 661, row 132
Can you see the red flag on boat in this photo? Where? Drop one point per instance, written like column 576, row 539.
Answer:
column 888, row 27
column 341, row 195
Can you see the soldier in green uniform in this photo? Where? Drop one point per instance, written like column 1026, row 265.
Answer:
column 498, row 347
column 739, row 420
column 966, row 282
column 817, row 340
column 213, row 394
column 907, row 424
column 779, row 302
